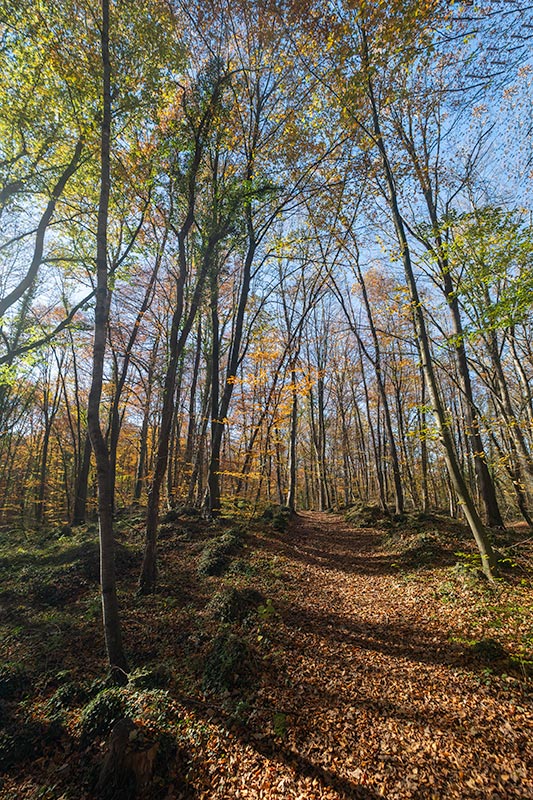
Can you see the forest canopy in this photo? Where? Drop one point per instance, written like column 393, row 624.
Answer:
column 266, row 406
column 264, row 253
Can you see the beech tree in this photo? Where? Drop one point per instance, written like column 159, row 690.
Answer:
column 231, row 178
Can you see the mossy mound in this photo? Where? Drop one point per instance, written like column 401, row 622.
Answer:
column 157, row 677
column 365, row 516
column 229, row 665
column 488, row 651
column 235, row 605
column 216, row 555
column 68, row 695
column 101, row 713
column 278, row 515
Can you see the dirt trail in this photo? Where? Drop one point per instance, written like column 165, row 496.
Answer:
column 379, row 701
column 358, row 679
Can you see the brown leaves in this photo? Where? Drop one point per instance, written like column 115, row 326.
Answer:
column 366, row 686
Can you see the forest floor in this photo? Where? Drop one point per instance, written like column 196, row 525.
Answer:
column 310, row 660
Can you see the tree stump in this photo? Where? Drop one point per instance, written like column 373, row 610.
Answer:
column 128, row 763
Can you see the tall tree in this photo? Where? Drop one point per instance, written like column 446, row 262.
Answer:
column 110, row 608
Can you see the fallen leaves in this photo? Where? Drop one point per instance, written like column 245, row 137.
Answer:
column 365, row 688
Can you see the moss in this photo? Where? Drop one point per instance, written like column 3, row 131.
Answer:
column 278, row 515
column 365, row 516
column 216, row 555
column 101, row 713
column 281, row 518
column 229, row 664
column 157, row 677
column 235, row 605
column 65, row 696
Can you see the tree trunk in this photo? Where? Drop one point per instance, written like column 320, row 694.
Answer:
column 148, row 576
column 376, row 362
column 110, row 610
column 488, row 558
column 39, row 503
column 219, row 410
column 423, row 446
column 79, row 512
column 291, row 493
column 217, row 423
column 475, row 442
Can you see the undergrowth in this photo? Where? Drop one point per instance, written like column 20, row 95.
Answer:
column 209, row 639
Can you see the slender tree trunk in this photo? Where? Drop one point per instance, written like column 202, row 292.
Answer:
column 422, row 426
column 220, row 409
column 403, row 447
column 476, row 446
column 504, row 400
column 174, row 443
column 398, row 489
column 79, row 512
column 291, row 493
column 177, row 341
column 513, row 468
column 217, row 423
column 379, row 474
column 110, row 609
column 191, row 428
column 196, row 478
column 279, row 472
column 472, row 423
column 140, row 476
column 325, row 496
column 527, row 393
column 115, row 415
column 148, row 576
column 39, row 504
column 488, row 558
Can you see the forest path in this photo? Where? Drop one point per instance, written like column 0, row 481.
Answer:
column 378, row 698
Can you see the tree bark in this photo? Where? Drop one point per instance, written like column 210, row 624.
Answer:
column 488, row 558
column 291, row 492
column 110, row 610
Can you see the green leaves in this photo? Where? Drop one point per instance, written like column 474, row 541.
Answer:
column 491, row 250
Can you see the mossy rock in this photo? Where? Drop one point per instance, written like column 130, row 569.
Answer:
column 229, row 664
column 166, row 530
column 55, row 595
column 235, row 605
column 190, row 511
column 424, row 549
column 68, row 695
column 281, row 518
column 101, row 713
column 278, row 515
column 126, row 558
column 242, row 567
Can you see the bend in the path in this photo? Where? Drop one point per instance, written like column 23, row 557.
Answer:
column 327, row 541
column 374, row 688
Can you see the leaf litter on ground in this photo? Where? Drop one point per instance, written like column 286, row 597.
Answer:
column 370, row 675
